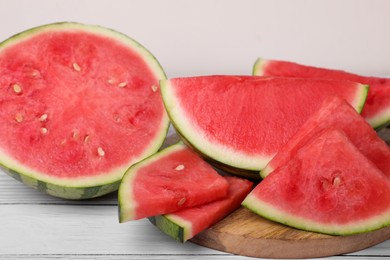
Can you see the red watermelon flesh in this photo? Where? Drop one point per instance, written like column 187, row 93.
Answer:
column 78, row 105
column 186, row 223
column 328, row 186
column 170, row 180
column 336, row 112
column 243, row 121
column 377, row 107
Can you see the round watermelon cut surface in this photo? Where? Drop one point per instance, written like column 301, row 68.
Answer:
column 377, row 107
column 187, row 223
column 79, row 104
column 166, row 182
column 243, row 121
column 328, row 186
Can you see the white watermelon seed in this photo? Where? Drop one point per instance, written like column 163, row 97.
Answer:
column 34, row 73
column 44, row 130
column 19, row 117
column 179, row 167
column 110, row 81
column 181, row 202
column 75, row 134
column 76, row 67
column 154, row 88
column 43, row 117
column 17, row 88
column 336, row 181
column 100, row 152
column 122, row 84
column 86, row 138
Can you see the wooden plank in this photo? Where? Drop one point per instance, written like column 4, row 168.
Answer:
column 85, row 230
column 82, row 229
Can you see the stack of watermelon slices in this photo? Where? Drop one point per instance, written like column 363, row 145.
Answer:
column 333, row 176
column 180, row 193
column 330, row 160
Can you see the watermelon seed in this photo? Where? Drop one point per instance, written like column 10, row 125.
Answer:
column 17, row 88
column 122, row 84
column 75, row 134
column 336, row 181
column 154, row 88
column 179, row 167
column 86, row 139
column 181, row 202
column 76, row 67
column 110, row 81
column 18, row 117
column 43, row 117
column 101, row 152
column 34, row 73
column 44, row 130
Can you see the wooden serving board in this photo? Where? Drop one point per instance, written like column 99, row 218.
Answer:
column 247, row 234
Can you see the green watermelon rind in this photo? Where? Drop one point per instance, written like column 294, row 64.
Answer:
column 219, row 154
column 216, row 152
column 97, row 185
column 272, row 213
column 379, row 121
column 126, row 203
column 174, row 226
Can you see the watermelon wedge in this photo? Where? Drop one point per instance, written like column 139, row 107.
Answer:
column 336, row 112
column 241, row 122
column 328, row 186
column 167, row 181
column 79, row 104
column 186, row 223
column 377, row 108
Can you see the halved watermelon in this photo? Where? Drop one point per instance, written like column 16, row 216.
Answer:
column 243, row 121
column 79, row 104
column 377, row 108
column 167, row 181
column 186, row 223
column 336, row 112
column 328, row 186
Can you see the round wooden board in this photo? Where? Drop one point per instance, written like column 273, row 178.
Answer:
column 247, row 234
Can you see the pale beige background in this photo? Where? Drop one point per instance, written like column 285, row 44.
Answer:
column 225, row 37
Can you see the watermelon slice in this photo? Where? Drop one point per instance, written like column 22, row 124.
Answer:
column 79, row 104
column 336, row 112
column 186, row 223
column 377, row 108
column 328, row 186
column 243, row 121
column 168, row 181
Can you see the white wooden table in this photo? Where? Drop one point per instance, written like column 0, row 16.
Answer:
column 34, row 225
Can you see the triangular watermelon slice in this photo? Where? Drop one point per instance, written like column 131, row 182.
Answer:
column 328, row 186
column 377, row 108
column 186, row 223
column 336, row 112
column 167, row 181
column 243, row 121
column 79, row 104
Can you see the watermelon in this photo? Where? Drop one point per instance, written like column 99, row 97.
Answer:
column 377, row 108
column 336, row 112
column 241, row 122
column 328, row 186
column 167, row 181
column 79, row 104
column 186, row 223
